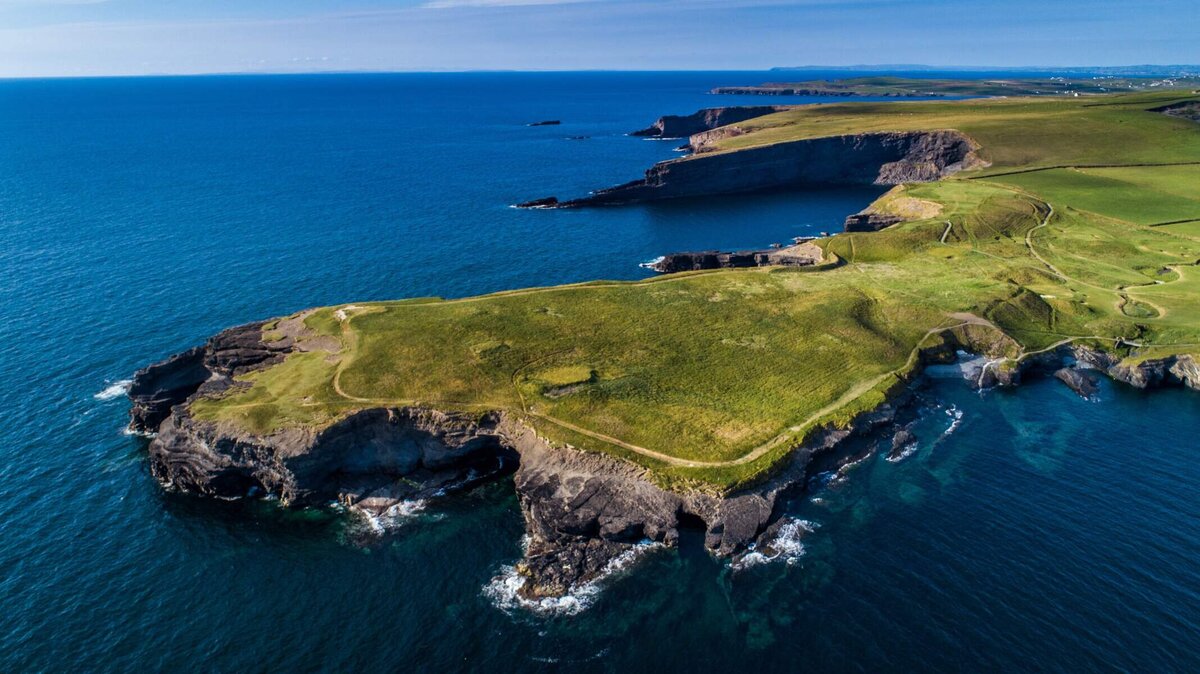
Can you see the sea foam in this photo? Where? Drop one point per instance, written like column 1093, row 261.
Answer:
column 114, row 390
column 393, row 518
column 504, row 589
column 787, row 546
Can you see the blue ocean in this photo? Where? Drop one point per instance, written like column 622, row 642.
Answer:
column 1027, row 530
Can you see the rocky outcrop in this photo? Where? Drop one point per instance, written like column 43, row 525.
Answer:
column 348, row 461
column 799, row 255
column 683, row 126
column 156, row 389
column 547, row 202
column 582, row 510
column 864, row 159
column 868, row 221
column 1185, row 110
column 1177, row 370
column 1081, row 382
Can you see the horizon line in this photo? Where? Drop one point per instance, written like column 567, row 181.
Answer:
column 888, row 67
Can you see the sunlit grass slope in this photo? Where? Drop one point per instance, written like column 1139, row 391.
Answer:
column 709, row 378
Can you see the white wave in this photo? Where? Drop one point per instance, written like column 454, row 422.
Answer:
column 850, row 465
column 504, row 589
column 906, row 452
column 649, row 264
column 956, row 416
column 787, row 546
column 394, row 517
column 114, row 390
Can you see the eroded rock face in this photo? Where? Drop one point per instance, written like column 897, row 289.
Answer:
column 865, row 159
column 1185, row 110
column 870, row 222
column 683, row 126
column 582, row 510
column 1079, row 381
column 799, row 255
column 1149, row 373
column 342, row 462
column 157, row 388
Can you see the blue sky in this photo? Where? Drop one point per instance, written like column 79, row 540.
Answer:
column 105, row 37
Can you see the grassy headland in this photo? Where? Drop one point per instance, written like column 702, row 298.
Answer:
column 918, row 86
column 1085, row 227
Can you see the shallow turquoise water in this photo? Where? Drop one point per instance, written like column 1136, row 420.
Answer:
column 139, row 216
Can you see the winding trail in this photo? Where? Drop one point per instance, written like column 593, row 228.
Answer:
column 757, row 452
column 790, row 433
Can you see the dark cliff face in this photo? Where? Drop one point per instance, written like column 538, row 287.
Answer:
column 870, row 222
column 348, row 461
column 1185, row 110
column 683, row 126
column 582, row 510
column 799, row 255
column 865, row 159
column 158, row 388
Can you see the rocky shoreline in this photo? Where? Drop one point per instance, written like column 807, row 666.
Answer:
column 684, row 126
column 799, row 255
column 883, row 158
column 582, row 510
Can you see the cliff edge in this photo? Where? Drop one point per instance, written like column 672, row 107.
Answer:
column 891, row 158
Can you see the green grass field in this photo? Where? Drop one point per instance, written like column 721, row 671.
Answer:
column 709, row 378
column 1011, row 86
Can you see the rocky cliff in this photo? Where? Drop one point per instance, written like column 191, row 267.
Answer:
column 863, row 159
column 582, row 510
column 683, row 126
column 1185, row 110
column 799, row 255
column 870, row 222
column 157, row 388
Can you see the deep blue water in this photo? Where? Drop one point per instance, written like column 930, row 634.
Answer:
column 138, row 216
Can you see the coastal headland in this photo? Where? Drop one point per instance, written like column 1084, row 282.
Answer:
column 1040, row 233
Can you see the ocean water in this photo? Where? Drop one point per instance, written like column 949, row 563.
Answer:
column 1026, row 530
